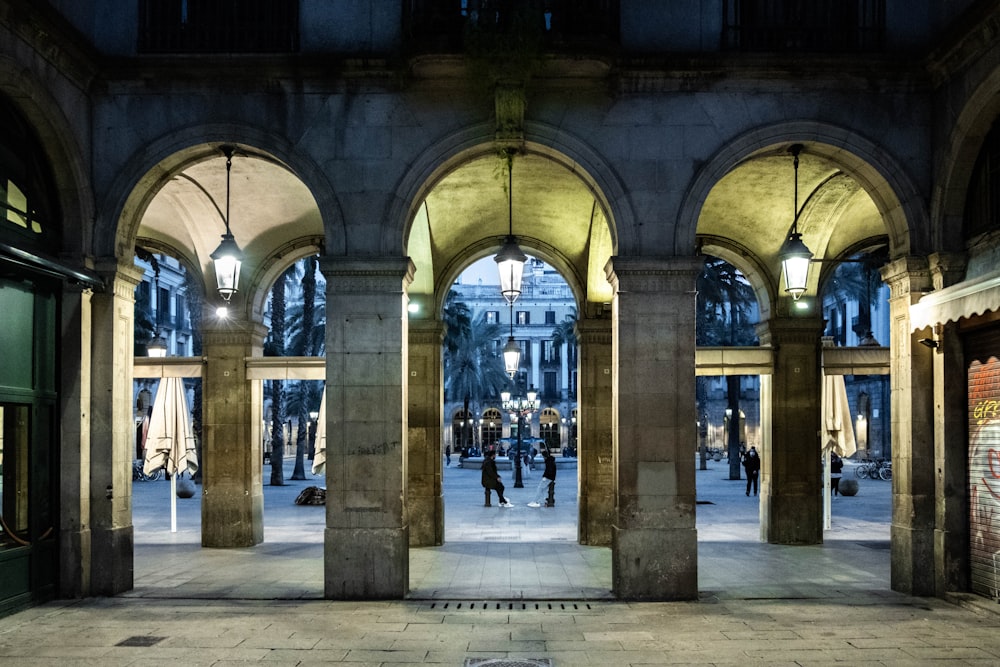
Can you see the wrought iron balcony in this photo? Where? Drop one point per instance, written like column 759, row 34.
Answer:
column 442, row 25
column 218, row 26
column 821, row 26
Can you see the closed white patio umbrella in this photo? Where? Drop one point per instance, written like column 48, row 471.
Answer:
column 319, row 451
column 170, row 440
column 837, row 434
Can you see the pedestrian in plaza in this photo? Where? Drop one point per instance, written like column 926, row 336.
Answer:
column 491, row 480
column 447, row 455
column 836, row 471
column 751, row 463
column 547, row 482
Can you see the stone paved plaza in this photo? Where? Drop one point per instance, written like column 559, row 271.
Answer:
column 513, row 584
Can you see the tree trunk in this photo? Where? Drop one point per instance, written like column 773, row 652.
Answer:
column 299, row 471
column 733, row 433
column 277, row 408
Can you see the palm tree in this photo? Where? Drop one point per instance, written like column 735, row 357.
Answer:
column 194, row 305
column 302, row 337
column 725, row 303
column 565, row 331
column 859, row 280
column 275, row 346
column 473, row 369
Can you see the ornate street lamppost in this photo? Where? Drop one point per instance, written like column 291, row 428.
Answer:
column 521, row 407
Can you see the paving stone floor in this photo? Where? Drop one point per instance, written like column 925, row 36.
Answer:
column 511, row 584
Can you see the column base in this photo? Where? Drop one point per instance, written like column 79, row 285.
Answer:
column 74, row 563
column 652, row 565
column 366, row 563
column 426, row 515
column 230, row 520
column 791, row 519
column 912, row 551
column 112, row 561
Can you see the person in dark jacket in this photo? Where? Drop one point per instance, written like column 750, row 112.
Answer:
column 751, row 463
column 547, row 482
column 491, row 480
column 836, row 472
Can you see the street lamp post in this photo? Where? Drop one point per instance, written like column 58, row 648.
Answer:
column 521, row 406
column 312, row 442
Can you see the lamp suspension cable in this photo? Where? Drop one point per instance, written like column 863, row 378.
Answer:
column 229, row 169
column 510, row 260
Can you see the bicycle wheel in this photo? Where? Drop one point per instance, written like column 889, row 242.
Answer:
column 861, row 472
column 885, row 472
column 156, row 475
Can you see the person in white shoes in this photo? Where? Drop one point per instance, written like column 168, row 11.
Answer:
column 547, row 482
column 491, row 480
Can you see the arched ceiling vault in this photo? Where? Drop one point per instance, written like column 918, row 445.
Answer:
column 556, row 217
column 270, row 211
column 754, row 206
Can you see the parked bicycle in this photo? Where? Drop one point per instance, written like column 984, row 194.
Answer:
column 874, row 469
column 139, row 476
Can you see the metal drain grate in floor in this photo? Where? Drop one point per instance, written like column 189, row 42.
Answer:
column 507, row 605
column 508, row 662
column 140, row 640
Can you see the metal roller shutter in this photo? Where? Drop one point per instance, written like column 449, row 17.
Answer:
column 982, row 354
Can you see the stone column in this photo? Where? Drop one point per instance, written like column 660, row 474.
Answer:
column 951, row 448
column 564, row 371
column 425, row 415
column 366, row 551
column 654, row 538
column 232, row 504
column 912, row 405
column 791, row 501
column 74, row 458
column 595, row 454
column 535, row 350
column 111, row 430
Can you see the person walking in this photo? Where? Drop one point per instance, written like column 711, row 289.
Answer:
column 836, row 472
column 447, row 455
column 547, row 482
column 491, row 480
column 751, row 463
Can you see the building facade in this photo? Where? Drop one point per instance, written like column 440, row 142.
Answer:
column 546, row 364
column 645, row 136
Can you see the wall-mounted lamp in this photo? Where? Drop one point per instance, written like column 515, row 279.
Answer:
column 928, row 342
column 227, row 257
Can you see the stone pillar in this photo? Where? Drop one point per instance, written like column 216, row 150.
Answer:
column 232, row 504
column 951, row 453
column 535, row 350
column 425, row 415
column 654, row 538
column 75, row 392
column 595, row 453
column 366, row 550
column 912, row 405
column 791, row 504
column 111, row 430
column 564, row 371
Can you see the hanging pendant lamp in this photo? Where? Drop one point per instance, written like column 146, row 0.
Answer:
column 227, row 257
column 795, row 255
column 510, row 260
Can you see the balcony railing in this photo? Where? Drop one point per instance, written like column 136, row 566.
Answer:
column 218, row 26
column 822, row 26
column 441, row 25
